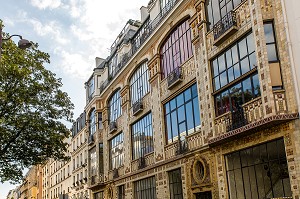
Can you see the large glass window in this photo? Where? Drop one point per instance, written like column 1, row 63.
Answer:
column 92, row 122
column 217, row 9
column 93, row 162
column 235, row 63
column 258, row 172
column 115, row 109
column 175, row 184
column 113, row 65
column 121, row 192
column 117, row 151
column 176, row 49
column 142, row 137
column 182, row 114
column 139, row 83
column 145, row 188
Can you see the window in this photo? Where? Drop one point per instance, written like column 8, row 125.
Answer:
column 101, row 163
column 258, row 172
column 139, row 83
column 91, row 88
column 142, row 137
column 217, row 9
column 100, row 124
column 93, row 162
column 92, row 122
column 236, row 63
column 99, row 195
column 182, row 114
column 121, row 192
column 270, row 42
column 115, row 109
column 175, row 184
column 116, row 151
column 273, row 59
column 163, row 3
column 112, row 65
column 176, row 49
column 145, row 188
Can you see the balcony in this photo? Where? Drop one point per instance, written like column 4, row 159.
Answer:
column 182, row 147
column 142, row 163
column 249, row 119
column 175, row 77
column 224, row 28
column 112, row 126
column 137, row 107
column 91, row 139
column 115, row 173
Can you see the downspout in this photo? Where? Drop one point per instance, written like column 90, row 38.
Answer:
column 291, row 53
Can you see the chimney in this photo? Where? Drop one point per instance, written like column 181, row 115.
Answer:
column 144, row 13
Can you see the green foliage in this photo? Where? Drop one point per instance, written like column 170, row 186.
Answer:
column 32, row 111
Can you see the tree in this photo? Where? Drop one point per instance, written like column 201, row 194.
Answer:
column 33, row 110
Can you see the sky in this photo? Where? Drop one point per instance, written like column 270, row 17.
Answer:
column 73, row 32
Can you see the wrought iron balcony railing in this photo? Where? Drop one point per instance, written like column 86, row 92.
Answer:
column 138, row 39
column 115, row 173
column 175, row 77
column 137, row 107
column 182, row 147
column 236, row 120
column 141, row 163
column 226, row 23
column 112, row 126
column 91, row 139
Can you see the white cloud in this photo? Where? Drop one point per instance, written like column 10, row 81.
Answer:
column 51, row 29
column 44, row 4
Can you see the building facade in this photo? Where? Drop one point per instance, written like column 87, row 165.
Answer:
column 196, row 101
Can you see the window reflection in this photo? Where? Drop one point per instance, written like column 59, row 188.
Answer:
column 116, row 151
column 139, row 83
column 258, row 172
column 115, row 109
column 182, row 115
column 142, row 137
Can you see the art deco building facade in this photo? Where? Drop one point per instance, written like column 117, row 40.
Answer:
column 196, row 101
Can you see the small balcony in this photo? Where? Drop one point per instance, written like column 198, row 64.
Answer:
column 141, row 163
column 175, row 77
column 182, row 147
column 91, row 139
column 112, row 126
column 224, row 28
column 236, row 120
column 137, row 107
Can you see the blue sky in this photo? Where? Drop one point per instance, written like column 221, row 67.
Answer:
column 73, row 32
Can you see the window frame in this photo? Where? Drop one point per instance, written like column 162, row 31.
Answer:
column 116, row 161
column 179, row 40
column 147, row 185
column 137, row 129
column 139, row 82
column 173, row 183
column 115, row 107
column 92, row 122
column 192, row 101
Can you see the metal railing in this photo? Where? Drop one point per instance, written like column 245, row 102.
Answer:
column 137, row 107
column 112, row 126
column 182, row 147
column 174, row 77
column 236, row 120
column 141, row 163
column 228, row 21
column 139, row 38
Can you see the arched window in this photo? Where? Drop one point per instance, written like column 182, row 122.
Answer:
column 139, row 83
column 92, row 122
column 115, row 109
column 176, row 49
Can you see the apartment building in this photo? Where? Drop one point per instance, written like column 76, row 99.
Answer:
column 30, row 185
column 196, row 100
column 57, row 177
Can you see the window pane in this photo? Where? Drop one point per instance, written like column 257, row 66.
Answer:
column 272, row 54
column 269, row 36
column 242, row 48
